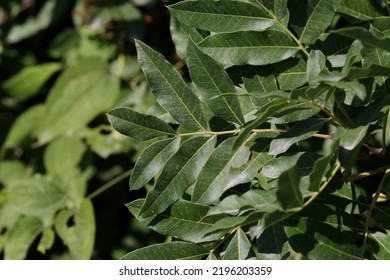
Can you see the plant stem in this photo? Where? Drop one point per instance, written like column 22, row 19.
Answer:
column 323, row 186
column 236, row 131
column 371, row 209
column 368, row 173
column 384, row 142
column 109, row 184
column 120, row 66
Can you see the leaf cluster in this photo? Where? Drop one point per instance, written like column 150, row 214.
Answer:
column 275, row 146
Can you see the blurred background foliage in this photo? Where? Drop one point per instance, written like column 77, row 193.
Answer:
column 63, row 170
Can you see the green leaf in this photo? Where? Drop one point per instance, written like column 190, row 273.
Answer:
column 239, row 247
column 222, row 15
column 249, row 47
column 171, row 91
column 213, row 178
column 213, row 81
column 271, row 108
column 82, row 92
column 292, row 77
column 353, row 137
column 30, row 79
column 79, row 237
column 251, row 200
column 316, row 64
column 248, row 171
column 278, row 8
column 272, row 244
column 24, row 125
column 21, row 237
column 47, row 15
column 136, row 125
column 289, row 194
column 300, row 131
column 321, row 167
column 324, row 233
column 38, row 196
column 57, row 162
column 360, row 9
column 178, row 174
column 181, row 34
column 347, row 197
column 256, row 81
column 47, row 240
column 303, row 161
column 381, row 243
column 151, row 161
column 168, row 251
column 365, row 36
column 312, row 17
column 183, row 220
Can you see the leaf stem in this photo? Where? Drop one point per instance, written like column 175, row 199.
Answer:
column 371, row 209
column 285, row 28
column 109, row 184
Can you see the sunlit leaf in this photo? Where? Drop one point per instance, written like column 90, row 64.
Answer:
column 249, row 47
column 24, row 125
column 21, row 237
column 30, row 79
column 213, row 81
column 360, row 9
column 83, row 91
column 222, row 16
column 169, row 88
column 76, row 227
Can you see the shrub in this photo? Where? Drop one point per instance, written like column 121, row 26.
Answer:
column 275, row 146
